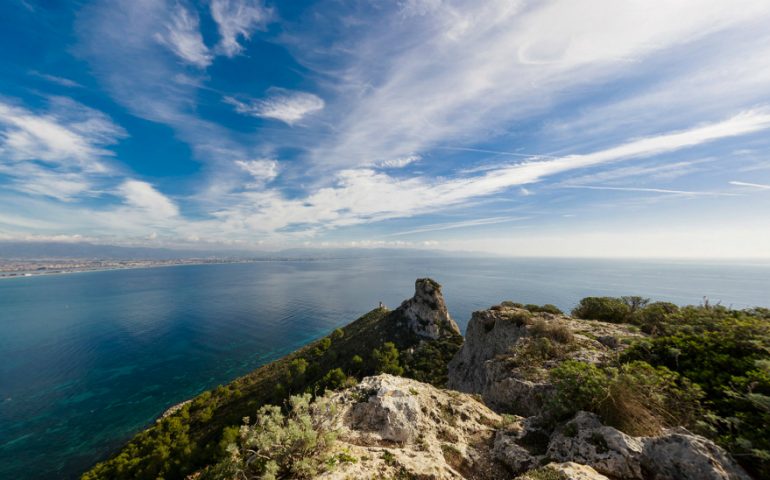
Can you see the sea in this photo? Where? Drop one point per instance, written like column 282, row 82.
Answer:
column 89, row 359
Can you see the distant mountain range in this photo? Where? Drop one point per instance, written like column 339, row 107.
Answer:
column 67, row 250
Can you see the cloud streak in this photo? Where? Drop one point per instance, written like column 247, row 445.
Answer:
column 280, row 104
column 752, row 185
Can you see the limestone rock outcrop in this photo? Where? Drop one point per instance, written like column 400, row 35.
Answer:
column 672, row 455
column 495, row 359
column 426, row 313
column 680, row 454
column 396, row 426
column 608, row 450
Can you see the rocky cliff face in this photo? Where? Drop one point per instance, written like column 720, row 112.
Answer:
column 400, row 428
column 426, row 312
column 502, row 357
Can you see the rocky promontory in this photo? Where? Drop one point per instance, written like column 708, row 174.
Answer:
column 529, row 393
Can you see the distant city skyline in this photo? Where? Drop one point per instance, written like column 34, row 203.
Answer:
column 561, row 128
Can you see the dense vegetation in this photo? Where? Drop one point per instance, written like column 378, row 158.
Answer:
column 707, row 367
column 278, row 444
column 199, row 432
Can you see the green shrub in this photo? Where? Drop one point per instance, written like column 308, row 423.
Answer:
column 547, row 308
column 385, row 359
column 653, row 317
column 334, row 379
column 278, row 445
column 727, row 353
column 544, row 473
column 606, row 309
column 636, row 397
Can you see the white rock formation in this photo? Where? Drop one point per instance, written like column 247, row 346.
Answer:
column 488, row 362
column 393, row 426
column 426, row 312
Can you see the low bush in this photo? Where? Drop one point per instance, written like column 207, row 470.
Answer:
column 606, row 309
column 278, row 445
column 554, row 330
column 636, row 398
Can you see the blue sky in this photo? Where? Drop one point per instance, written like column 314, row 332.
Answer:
column 549, row 128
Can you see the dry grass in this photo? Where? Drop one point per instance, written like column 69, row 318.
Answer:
column 554, row 330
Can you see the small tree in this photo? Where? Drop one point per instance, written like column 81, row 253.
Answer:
column 606, row 309
column 277, row 445
column 385, row 359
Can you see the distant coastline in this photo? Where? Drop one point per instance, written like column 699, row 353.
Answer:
column 27, row 269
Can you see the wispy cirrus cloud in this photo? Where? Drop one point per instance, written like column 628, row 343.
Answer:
column 411, row 96
column 183, row 37
column 455, row 225
column 236, row 20
column 365, row 195
column 280, row 104
column 62, row 81
column 751, row 185
column 652, row 190
column 69, row 134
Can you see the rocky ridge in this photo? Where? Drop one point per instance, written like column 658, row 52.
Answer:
column 401, row 428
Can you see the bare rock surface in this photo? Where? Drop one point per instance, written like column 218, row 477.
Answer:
column 426, row 312
column 495, row 359
column 584, row 439
column 680, row 454
column 675, row 454
column 395, row 426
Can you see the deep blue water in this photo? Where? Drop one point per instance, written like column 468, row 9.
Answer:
column 88, row 359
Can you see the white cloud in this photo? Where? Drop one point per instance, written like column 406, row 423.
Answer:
column 263, row 170
column 144, row 197
column 183, row 37
column 364, row 195
column 752, row 185
column 59, row 153
column 280, row 104
column 400, row 162
column 651, row 190
column 464, row 224
column 469, row 70
column 68, row 134
column 237, row 19
column 64, row 82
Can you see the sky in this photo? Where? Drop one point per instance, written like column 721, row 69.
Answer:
column 530, row 128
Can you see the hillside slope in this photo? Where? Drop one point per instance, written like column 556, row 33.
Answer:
column 417, row 340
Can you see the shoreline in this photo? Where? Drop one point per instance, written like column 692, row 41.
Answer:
column 11, row 275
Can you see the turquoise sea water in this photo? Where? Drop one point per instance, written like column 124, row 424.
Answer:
column 88, row 359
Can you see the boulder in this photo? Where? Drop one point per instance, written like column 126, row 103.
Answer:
column 680, row 454
column 508, row 451
column 608, row 450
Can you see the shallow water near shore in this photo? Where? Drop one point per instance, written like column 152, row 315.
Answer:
column 87, row 360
